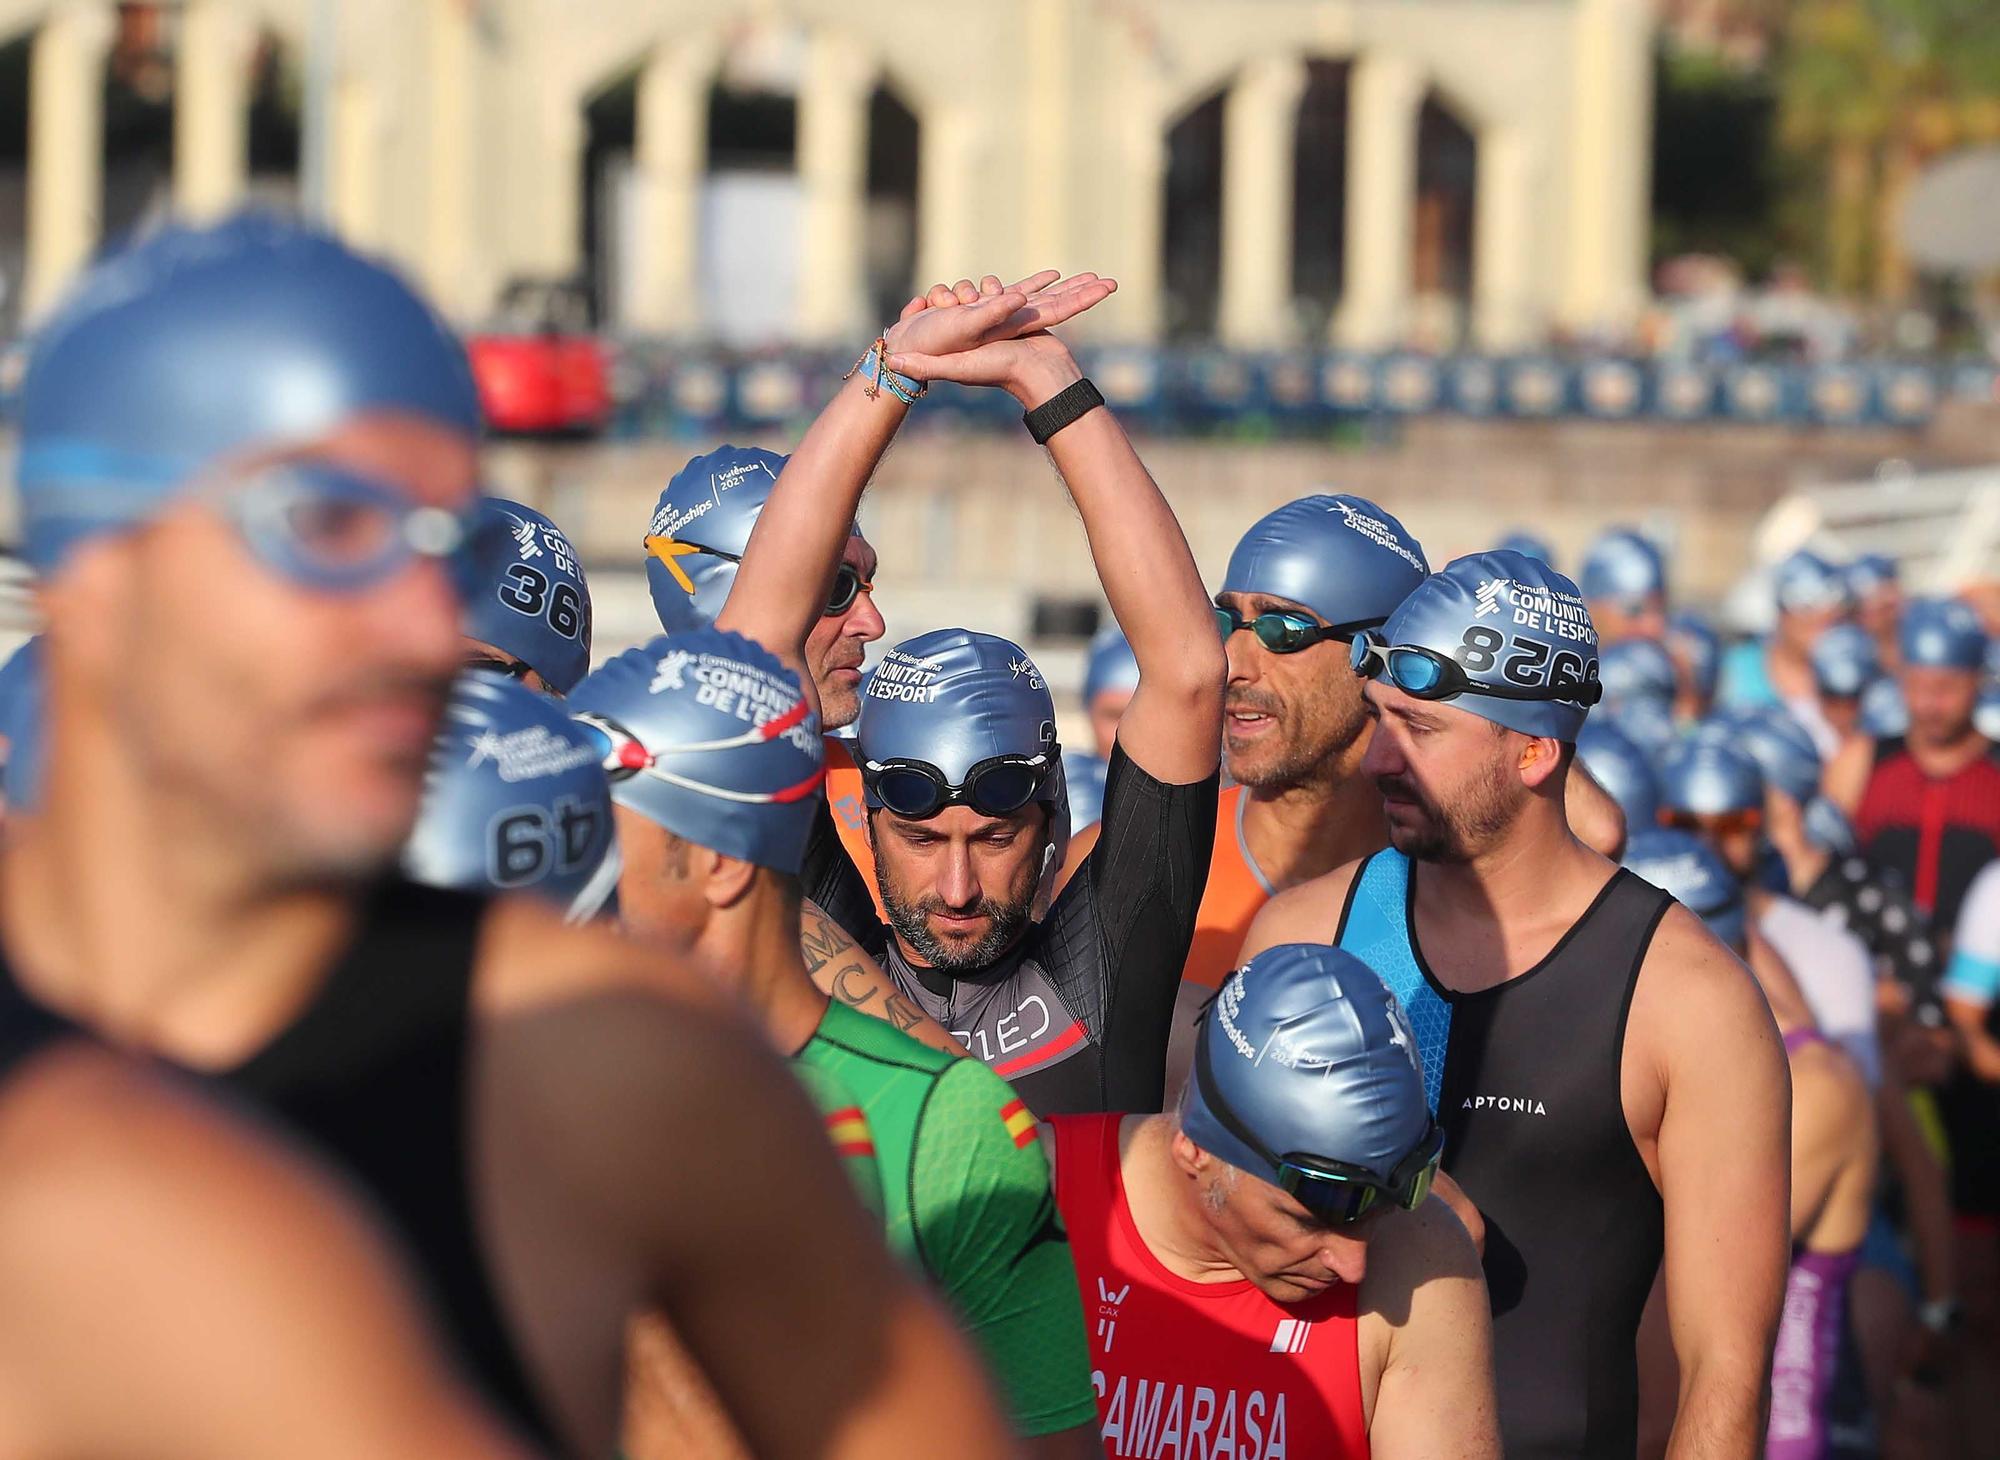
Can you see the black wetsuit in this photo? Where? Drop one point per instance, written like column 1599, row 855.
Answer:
column 1075, row 1016
column 373, row 1075
column 1525, row 1078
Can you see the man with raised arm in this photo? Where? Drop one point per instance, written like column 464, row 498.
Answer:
column 957, row 744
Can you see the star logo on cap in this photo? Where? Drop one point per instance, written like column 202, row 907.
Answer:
column 670, row 672
column 485, row 746
column 1489, row 597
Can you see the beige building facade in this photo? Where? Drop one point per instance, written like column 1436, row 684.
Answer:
column 455, row 137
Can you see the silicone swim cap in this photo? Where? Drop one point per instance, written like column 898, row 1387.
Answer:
column 709, row 507
column 1942, row 633
column 1781, row 746
column 1705, row 777
column 1805, row 582
column 1110, row 666
column 198, row 343
column 1700, row 648
column 1685, row 867
column 21, row 725
column 1310, row 1052
column 1510, row 621
column 1343, row 557
column 1623, row 564
column 1625, row 771
column 1648, row 722
column 707, row 735
column 1844, row 661
column 1869, row 572
column 1634, row 669
column 1083, row 775
column 528, row 597
column 516, row 801
column 1883, row 713
column 1528, row 546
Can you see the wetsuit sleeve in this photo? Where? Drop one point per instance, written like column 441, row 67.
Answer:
column 1145, row 879
column 1974, row 974
column 986, row 1230
column 833, row 881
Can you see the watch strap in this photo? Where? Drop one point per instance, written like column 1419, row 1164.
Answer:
column 1065, row 408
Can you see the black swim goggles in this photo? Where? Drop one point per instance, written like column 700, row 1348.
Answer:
column 917, row 790
column 1284, row 632
column 1426, row 674
column 848, row 584
column 1337, row 1193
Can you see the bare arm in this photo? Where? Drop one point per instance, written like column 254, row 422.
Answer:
column 842, row 971
column 1846, row 777
column 1597, row 820
column 1434, row 1397
column 177, row 1285
column 1308, row 913
column 1831, row 1127
column 1710, row 1070
column 795, row 548
column 1173, row 728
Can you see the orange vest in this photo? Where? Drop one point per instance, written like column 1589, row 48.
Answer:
column 850, row 814
column 1235, row 893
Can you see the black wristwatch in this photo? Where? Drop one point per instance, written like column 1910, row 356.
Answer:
column 1065, row 408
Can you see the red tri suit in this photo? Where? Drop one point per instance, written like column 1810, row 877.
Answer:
column 1198, row 1371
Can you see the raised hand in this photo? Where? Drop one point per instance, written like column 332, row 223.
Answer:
column 1016, row 353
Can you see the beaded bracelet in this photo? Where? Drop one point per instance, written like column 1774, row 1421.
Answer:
column 875, row 374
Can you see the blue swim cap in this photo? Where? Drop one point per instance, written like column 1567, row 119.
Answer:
column 1704, row 776
column 527, row 593
column 1686, row 868
column 1308, row 1050
column 1497, row 611
column 196, row 343
column 710, row 737
column 1869, row 572
column 1343, row 557
column 1634, row 669
column 21, row 725
column 1624, row 770
column 1701, row 646
column 1111, row 665
column 1883, row 713
column 1844, row 661
column 516, row 801
column 1528, row 546
column 1624, row 564
column 1083, row 775
column 1648, row 722
column 1783, row 748
column 1827, row 827
column 711, row 503
column 1942, row 633
column 1805, row 581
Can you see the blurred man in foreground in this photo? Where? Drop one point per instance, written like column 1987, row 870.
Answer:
column 1266, row 1256
column 1538, row 977
column 210, row 873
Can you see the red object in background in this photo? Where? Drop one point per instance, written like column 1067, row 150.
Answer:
column 542, row 371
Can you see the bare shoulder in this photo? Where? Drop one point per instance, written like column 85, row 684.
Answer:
column 1697, row 1011
column 1410, row 1249
column 1308, row 913
column 528, row 956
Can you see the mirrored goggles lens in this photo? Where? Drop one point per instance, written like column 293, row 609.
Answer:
column 328, row 528
column 848, row 585
column 1281, row 633
column 997, row 788
column 1414, row 671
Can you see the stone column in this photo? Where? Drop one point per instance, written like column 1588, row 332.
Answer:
column 1610, row 179
column 212, row 107
column 354, row 171
column 670, row 154
column 1260, row 121
column 1385, row 95
column 451, row 174
column 949, row 155
column 65, row 146
column 833, row 170
column 1503, row 241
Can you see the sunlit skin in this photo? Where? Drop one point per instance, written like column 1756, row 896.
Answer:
column 1618, row 619
column 960, row 883
column 1105, row 712
column 837, row 645
column 1450, row 781
column 296, row 719
column 1880, row 611
column 1941, row 702
column 1842, row 713
column 1285, row 716
column 1265, row 1235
